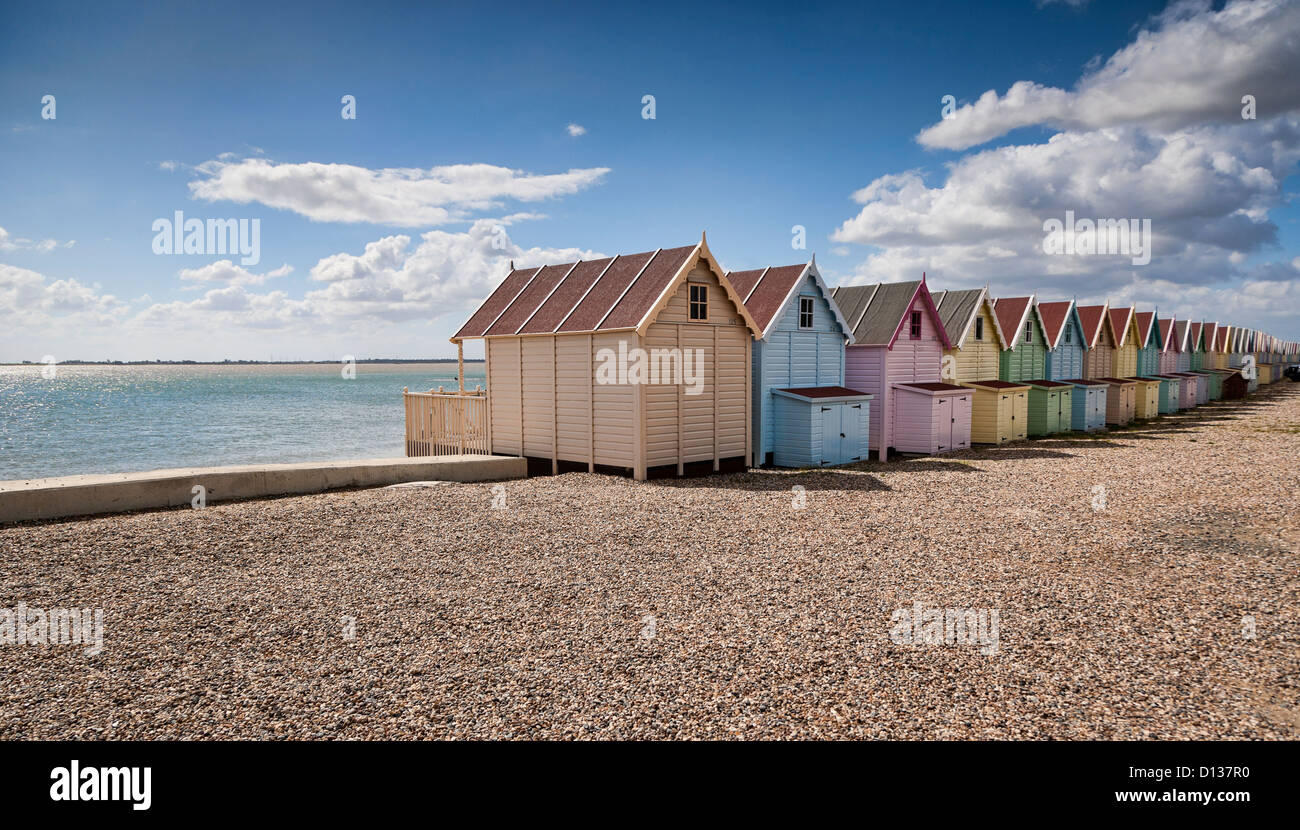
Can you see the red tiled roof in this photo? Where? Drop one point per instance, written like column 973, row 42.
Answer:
column 997, row 384
column 1054, row 317
column 1195, row 335
column 936, row 387
column 1091, row 316
column 824, row 392
column 588, row 313
column 566, row 296
column 1166, row 334
column 1119, row 320
column 766, row 292
column 641, row 297
column 1145, row 319
column 496, row 302
column 1011, row 311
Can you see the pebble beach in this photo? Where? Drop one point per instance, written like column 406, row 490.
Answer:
column 1145, row 581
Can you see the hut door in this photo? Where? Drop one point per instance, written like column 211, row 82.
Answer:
column 961, row 422
column 832, row 434
column 943, row 414
column 851, row 427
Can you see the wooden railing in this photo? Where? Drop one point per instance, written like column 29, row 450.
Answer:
column 446, row 423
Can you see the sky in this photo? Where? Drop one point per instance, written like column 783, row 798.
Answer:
column 485, row 133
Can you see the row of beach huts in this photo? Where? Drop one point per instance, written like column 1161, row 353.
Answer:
column 661, row 363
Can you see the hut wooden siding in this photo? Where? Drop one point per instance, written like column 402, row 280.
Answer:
column 1123, row 323
column 1148, row 361
column 546, row 332
column 790, row 354
column 1169, row 346
column 1098, row 360
column 1065, row 338
column 1196, row 347
column 888, row 351
column 1025, row 357
column 1182, row 340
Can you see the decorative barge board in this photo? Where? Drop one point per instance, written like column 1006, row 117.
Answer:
column 1146, row 398
column 1088, row 400
column 1189, row 392
column 898, row 340
column 801, row 346
column 820, row 426
column 1168, row 346
column 976, row 339
column 1121, row 400
column 1064, row 334
column 637, row 363
column 1123, row 323
column 1049, row 407
column 1148, row 343
column 1025, row 355
column 1171, row 393
column 999, row 411
column 1097, row 361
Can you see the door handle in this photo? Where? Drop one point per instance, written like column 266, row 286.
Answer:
column 841, row 435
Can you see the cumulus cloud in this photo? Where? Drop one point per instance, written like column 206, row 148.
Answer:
column 400, row 197
column 30, row 300
column 226, row 272
column 576, row 130
column 1193, row 66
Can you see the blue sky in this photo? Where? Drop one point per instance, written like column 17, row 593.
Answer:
column 766, row 118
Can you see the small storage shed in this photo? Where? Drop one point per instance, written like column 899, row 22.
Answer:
column 1098, row 359
column 1088, row 400
column 1189, row 391
column 1123, row 323
column 1025, row 356
column 1049, row 407
column 1147, row 398
column 1171, row 393
column 1064, row 334
column 1234, row 386
column 948, row 408
column 638, row 363
column 1148, row 343
column 999, row 411
column 1168, row 346
column 1213, row 380
column 801, row 346
column 1121, row 400
column 976, row 339
column 898, row 340
column 820, row 426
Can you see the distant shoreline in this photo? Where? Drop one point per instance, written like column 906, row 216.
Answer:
column 238, row 362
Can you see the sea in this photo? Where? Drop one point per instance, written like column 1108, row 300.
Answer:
column 74, row 419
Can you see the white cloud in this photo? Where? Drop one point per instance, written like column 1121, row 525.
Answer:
column 227, row 272
column 29, row 300
column 401, row 197
column 1193, row 66
column 14, row 243
column 576, row 130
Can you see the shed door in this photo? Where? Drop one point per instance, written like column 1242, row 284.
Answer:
column 851, row 430
column 961, row 422
column 1098, row 399
column 831, row 439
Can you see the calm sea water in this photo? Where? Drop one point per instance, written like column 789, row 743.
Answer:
column 109, row 419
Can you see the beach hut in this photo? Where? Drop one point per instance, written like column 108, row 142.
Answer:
column 1182, row 341
column 1210, row 335
column 1222, row 338
column 1050, row 407
column 999, row 411
column 1195, row 347
column 1025, row 356
column 1064, row 334
column 897, row 356
column 1214, row 382
column 1148, row 343
column 1234, row 385
column 1123, row 323
column 1121, row 400
column 976, row 340
column 1146, row 398
column 638, row 363
column 1088, row 402
column 798, row 370
column 1098, row 359
column 1189, row 394
column 1168, row 346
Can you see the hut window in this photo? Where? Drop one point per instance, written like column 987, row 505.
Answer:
column 699, row 302
column 805, row 312
column 915, row 332
column 979, row 328
column 1069, row 335
column 1029, row 331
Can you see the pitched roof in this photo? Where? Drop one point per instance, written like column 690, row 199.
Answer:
column 605, row 294
column 1211, row 337
column 957, row 312
column 1055, row 317
column 1119, row 323
column 1166, row 333
column 1011, row 314
column 767, row 290
column 1092, row 317
column 1146, row 325
column 1180, row 334
column 1194, row 335
column 884, row 311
